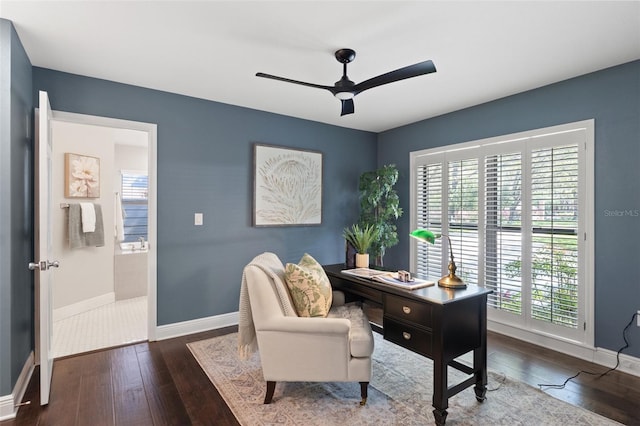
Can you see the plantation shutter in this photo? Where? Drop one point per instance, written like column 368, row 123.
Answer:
column 503, row 231
column 518, row 212
column 554, row 218
column 429, row 216
column 462, row 206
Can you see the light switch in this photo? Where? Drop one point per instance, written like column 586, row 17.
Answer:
column 198, row 219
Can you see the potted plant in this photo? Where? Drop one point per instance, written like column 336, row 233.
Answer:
column 361, row 239
column 380, row 208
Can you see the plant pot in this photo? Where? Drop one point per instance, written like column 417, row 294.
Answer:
column 362, row 260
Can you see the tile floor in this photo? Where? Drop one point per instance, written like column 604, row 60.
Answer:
column 118, row 323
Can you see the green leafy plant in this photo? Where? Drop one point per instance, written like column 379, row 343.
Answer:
column 380, row 208
column 360, row 238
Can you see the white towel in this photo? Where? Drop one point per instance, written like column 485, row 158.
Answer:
column 119, row 213
column 88, row 217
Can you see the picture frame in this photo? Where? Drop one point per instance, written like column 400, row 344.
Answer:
column 287, row 186
column 81, row 176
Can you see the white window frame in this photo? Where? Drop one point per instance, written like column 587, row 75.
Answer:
column 505, row 322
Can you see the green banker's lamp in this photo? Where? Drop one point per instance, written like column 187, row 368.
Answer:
column 451, row 280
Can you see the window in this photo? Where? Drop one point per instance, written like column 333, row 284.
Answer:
column 515, row 209
column 134, row 195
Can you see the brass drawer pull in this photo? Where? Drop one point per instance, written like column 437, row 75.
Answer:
column 407, row 336
column 406, row 310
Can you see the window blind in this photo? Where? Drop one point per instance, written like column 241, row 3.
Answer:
column 134, row 196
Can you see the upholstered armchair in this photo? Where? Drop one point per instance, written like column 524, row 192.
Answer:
column 298, row 349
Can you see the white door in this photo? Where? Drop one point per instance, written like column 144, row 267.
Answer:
column 43, row 247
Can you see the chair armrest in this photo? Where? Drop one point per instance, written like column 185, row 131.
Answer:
column 304, row 349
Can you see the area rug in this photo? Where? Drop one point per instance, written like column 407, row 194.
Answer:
column 400, row 393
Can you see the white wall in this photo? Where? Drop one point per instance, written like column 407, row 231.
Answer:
column 129, row 157
column 86, row 272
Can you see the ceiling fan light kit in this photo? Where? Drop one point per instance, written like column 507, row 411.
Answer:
column 344, row 95
column 345, row 89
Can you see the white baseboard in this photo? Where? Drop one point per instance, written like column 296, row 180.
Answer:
column 607, row 358
column 196, row 326
column 8, row 403
column 604, row 357
column 83, row 306
column 7, row 407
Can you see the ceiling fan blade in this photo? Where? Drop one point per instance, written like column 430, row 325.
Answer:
column 414, row 70
column 288, row 80
column 347, row 107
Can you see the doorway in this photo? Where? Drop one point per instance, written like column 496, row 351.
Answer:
column 93, row 307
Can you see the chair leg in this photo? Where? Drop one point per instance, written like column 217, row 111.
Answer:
column 271, row 387
column 364, row 386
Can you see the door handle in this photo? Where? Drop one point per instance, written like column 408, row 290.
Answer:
column 34, row 265
column 43, row 265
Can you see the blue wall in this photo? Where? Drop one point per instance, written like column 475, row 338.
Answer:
column 612, row 97
column 16, row 206
column 205, row 155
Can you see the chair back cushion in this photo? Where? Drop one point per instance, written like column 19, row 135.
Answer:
column 309, row 287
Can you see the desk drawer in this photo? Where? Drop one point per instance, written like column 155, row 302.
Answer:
column 356, row 289
column 412, row 338
column 408, row 310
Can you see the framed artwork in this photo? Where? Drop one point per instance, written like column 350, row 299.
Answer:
column 81, row 176
column 287, row 186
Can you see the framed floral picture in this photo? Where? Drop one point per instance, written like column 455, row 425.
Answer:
column 287, row 186
column 81, row 176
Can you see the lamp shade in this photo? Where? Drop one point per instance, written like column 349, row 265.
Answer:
column 425, row 235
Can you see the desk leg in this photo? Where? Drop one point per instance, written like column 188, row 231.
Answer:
column 480, row 357
column 481, row 375
column 440, row 388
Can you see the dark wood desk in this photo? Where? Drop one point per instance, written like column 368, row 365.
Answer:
column 438, row 323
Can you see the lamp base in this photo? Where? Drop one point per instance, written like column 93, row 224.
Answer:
column 451, row 281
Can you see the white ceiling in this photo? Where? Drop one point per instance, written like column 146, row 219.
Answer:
column 212, row 49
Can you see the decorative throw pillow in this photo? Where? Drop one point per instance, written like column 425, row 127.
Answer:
column 309, row 287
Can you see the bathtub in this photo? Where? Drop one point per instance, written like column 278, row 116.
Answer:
column 130, row 270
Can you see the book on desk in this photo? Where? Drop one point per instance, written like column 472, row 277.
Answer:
column 386, row 277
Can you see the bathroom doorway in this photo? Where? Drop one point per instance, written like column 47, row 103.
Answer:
column 105, row 295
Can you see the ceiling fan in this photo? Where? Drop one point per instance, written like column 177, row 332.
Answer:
column 345, row 89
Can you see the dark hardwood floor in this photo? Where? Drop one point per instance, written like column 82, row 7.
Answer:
column 160, row 383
